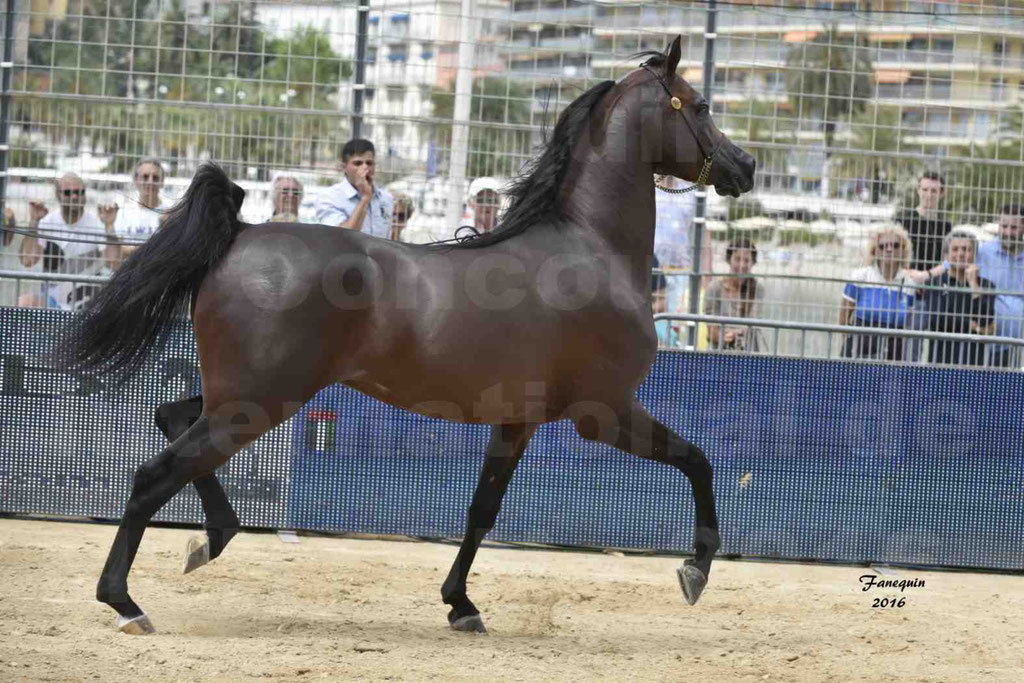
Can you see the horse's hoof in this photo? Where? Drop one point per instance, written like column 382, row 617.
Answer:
column 469, row 624
column 692, row 581
column 197, row 553
column 136, row 626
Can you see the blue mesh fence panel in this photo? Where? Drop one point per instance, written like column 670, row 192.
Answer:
column 813, row 459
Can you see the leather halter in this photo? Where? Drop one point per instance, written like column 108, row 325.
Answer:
column 705, row 171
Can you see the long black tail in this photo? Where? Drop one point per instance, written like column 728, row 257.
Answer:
column 120, row 326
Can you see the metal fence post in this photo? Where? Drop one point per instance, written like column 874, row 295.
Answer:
column 460, row 130
column 359, row 87
column 700, row 209
column 6, row 68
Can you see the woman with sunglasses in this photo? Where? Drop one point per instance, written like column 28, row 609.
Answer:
column 880, row 295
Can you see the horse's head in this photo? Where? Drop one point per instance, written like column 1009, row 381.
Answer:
column 689, row 146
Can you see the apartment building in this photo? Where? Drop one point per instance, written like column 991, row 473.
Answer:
column 951, row 72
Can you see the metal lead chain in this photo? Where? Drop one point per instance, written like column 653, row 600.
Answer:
column 702, row 179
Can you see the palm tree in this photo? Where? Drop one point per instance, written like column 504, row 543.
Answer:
column 828, row 80
column 763, row 127
column 879, row 131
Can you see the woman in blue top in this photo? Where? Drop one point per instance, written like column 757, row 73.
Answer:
column 879, row 295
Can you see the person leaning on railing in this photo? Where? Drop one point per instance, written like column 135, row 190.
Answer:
column 144, row 210
column 668, row 330
column 881, row 294
column 959, row 301
column 14, row 256
column 400, row 216
column 737, row 296
column 1002, row 262
column 72, row 242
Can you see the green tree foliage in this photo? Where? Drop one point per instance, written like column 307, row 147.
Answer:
column 828, row 79
column 150, row 69
column 994, row 177
column 759, row 127
column 879, row 132
column 493, row 150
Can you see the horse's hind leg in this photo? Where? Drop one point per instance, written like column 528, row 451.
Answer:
column 221, row 521
column 508, row 442
column 640, row 434
column 198, row 452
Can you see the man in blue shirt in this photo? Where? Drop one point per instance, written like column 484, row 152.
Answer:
column 356, row 203
column 1002, row 262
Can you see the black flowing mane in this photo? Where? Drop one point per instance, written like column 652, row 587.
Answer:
column 534, row 194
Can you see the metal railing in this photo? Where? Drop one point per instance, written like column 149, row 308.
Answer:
column 837, row 332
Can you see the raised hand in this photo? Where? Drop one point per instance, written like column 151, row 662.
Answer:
column 972, row 275
column 107, row 214
column 37, row 211
column 363, row 184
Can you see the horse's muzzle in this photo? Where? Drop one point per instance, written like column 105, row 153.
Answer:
column 740, row 174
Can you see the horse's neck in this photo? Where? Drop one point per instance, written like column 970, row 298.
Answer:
column 614, row 201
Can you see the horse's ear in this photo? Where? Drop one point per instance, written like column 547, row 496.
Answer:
column 672, row 61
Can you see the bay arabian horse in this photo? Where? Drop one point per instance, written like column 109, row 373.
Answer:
column 546, row 318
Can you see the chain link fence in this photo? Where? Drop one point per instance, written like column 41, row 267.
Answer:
column 845, row 105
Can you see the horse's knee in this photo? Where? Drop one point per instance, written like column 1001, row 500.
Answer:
column 175, row 417
column 694, row 463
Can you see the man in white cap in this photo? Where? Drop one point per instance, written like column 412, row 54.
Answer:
column 483, row 203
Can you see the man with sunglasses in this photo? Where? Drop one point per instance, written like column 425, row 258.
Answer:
column 286, row 194
column 73, row 243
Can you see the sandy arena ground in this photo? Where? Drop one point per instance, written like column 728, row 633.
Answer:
column 352, row 609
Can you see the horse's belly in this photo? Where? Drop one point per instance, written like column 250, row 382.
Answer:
column 485, row 398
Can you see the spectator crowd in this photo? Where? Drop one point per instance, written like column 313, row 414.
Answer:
column 920, row 274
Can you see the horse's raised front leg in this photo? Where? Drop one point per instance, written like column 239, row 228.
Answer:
column 221, row 521
column 196, row 453
column 508, row 442
column 637, row 432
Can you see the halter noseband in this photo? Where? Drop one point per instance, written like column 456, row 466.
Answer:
column 705, row 171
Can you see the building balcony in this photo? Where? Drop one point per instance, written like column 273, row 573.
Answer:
column 577, row 14
column 933, row 91
column 947, row 61
column 758, row 22
column 526, row 45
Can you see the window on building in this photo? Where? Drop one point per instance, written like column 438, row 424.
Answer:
column 999, row 88
column 427, row 51
column 982, row 124
column 398, row 52
column 917, row 45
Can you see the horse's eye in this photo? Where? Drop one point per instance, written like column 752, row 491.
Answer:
column 703, row 109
